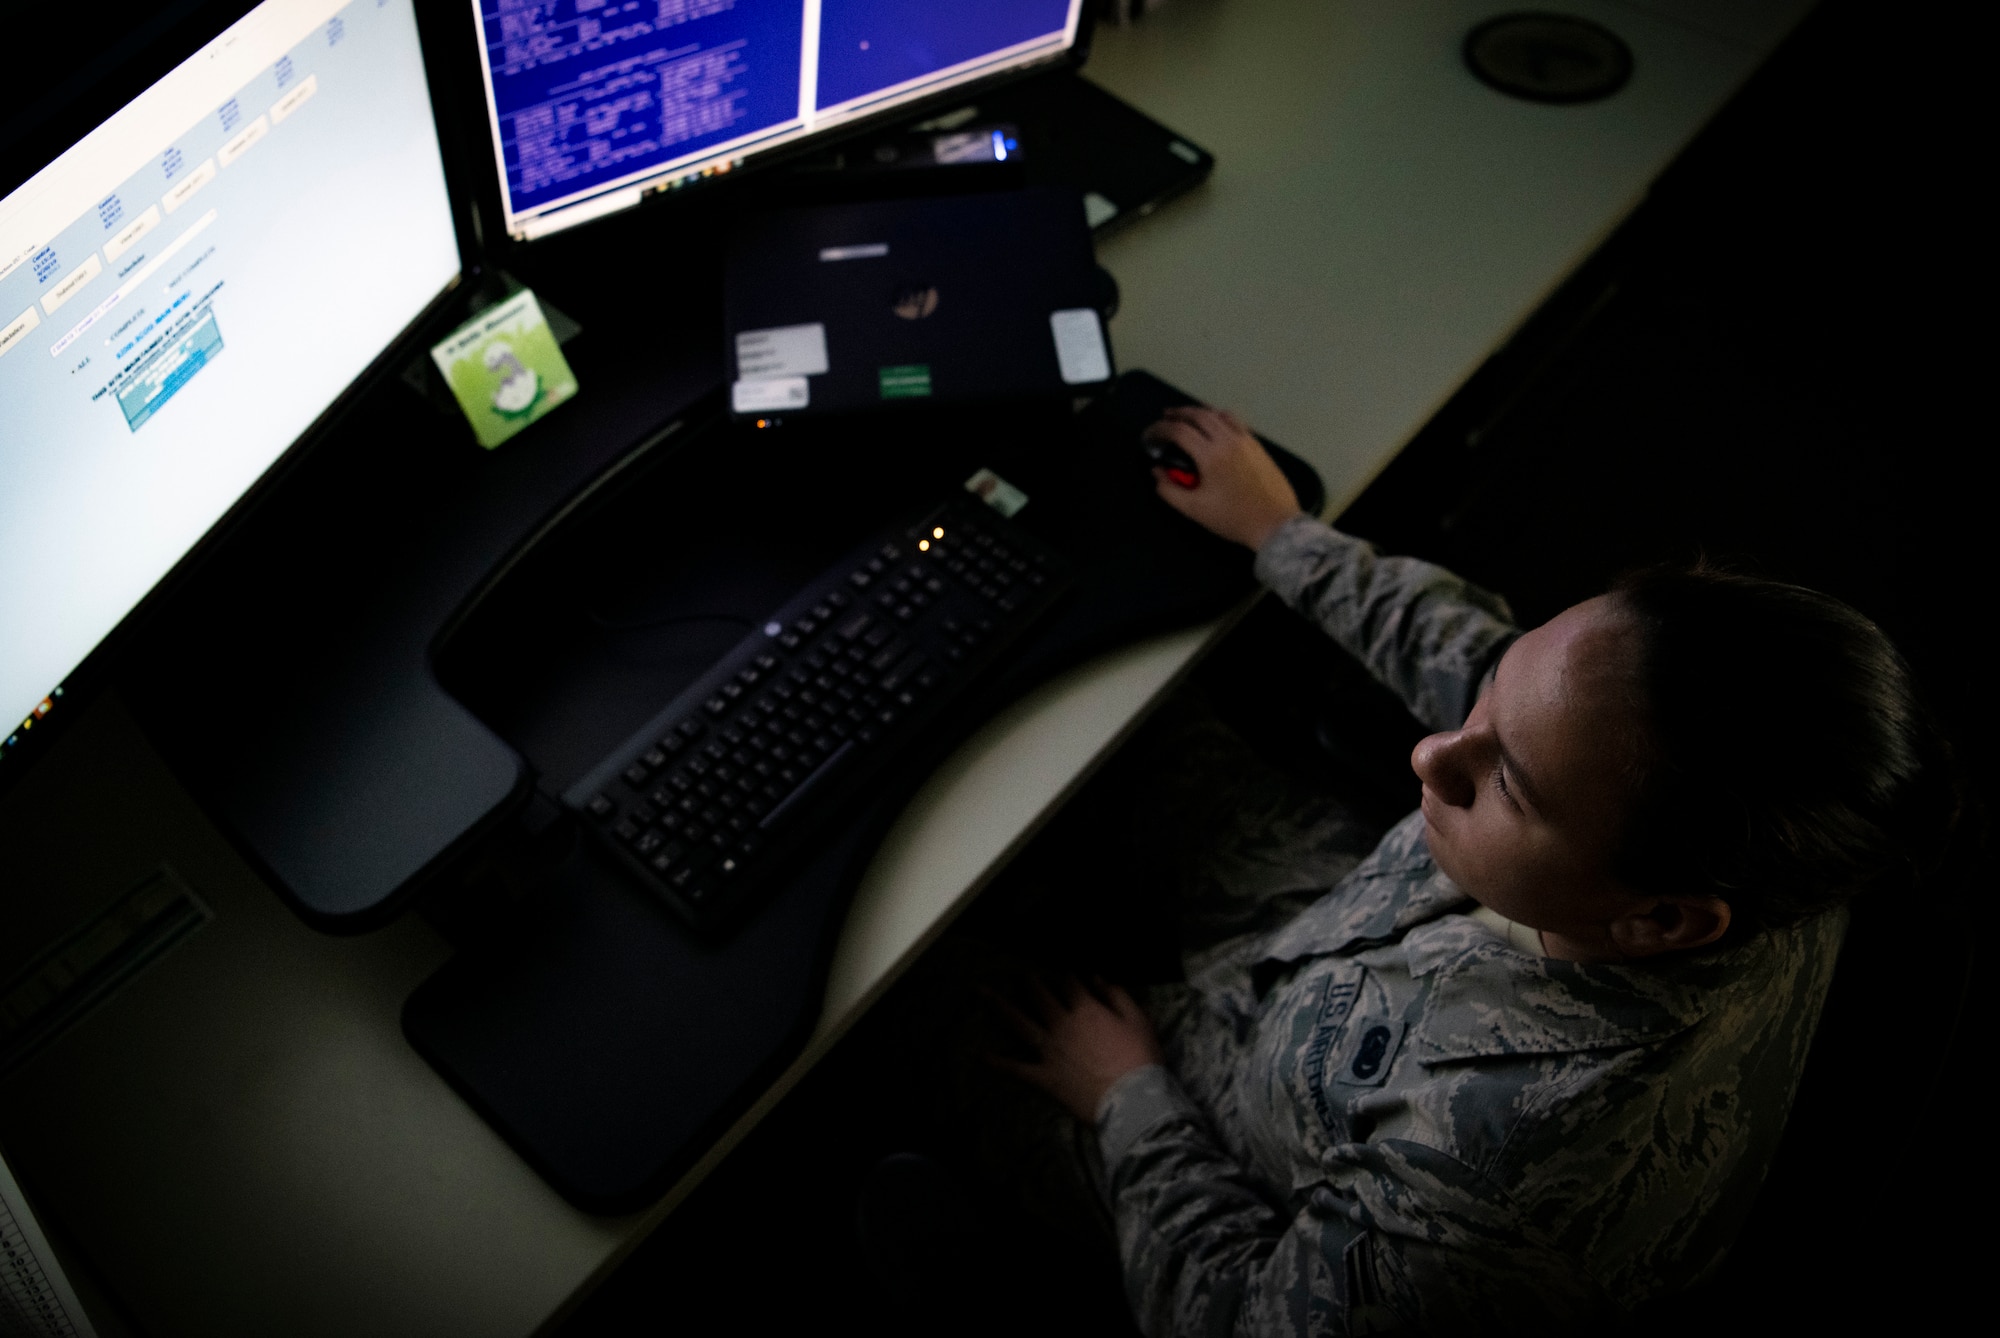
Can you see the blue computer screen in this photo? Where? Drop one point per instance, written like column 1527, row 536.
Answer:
column 587, row 92
column 593, row 101
column 868, row 46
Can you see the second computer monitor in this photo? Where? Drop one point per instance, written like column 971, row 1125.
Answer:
column 592, row 103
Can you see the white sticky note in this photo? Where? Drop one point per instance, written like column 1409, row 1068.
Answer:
column 1080, row 350
column 786, row 350
column 770, row 394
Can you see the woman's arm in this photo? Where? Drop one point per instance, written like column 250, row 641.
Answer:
column 1397, row 1237
column 1425, row 633
column 1205, row 1252
column 1194, row 1230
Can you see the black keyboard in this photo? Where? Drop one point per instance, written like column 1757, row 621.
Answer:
column 707, row 799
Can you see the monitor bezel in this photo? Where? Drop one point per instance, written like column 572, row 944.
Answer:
column 67, row 114
column 483, row 168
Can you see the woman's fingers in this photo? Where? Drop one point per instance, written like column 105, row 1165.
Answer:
column 1018, row 1068
column 1035, row 1075
column 1109, row 995
column 1182, row 434
column 1122, row 1003
column 1199, row 414
column 1086, row 1045
column 1204, row 433
column 1194, row 427
column 1048, row 1009
column 1046, row 1002
column 1027, row 1028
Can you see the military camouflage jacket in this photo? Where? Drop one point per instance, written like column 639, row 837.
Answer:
column 1383, row 1117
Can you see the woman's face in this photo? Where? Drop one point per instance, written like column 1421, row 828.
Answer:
column 1524, row 804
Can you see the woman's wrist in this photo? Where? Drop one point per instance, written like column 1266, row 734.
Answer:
column 1120, row 1083
column 1267, row 529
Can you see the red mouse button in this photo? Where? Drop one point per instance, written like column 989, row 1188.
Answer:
column 1186, row 478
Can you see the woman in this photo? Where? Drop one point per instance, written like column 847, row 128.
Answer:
column 1527, row 1061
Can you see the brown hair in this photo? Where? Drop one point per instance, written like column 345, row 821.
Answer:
column 1790, row 763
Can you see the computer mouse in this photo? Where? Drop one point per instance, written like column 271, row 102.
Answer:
column 1179, row 466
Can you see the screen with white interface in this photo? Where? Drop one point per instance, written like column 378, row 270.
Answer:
column 594, row 102
column 184, row 292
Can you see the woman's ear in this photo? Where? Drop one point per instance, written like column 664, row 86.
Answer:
column 1670, row 924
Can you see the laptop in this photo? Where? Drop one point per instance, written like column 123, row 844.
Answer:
column 949, row 300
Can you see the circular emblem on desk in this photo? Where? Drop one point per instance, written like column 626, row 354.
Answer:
column 1548, row 58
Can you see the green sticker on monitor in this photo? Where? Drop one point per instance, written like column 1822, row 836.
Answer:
column 505, row 368
column 908, row 382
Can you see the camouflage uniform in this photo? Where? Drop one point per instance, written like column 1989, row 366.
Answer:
column 1376, row 1114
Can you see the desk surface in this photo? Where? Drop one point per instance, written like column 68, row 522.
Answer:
column 241, row 1141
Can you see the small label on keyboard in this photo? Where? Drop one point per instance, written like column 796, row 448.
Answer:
column 996, row 492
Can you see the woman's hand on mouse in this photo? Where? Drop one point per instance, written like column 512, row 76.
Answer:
column 1243, row 495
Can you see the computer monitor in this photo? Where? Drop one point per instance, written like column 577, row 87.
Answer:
column 594, row 104
column 185, row 291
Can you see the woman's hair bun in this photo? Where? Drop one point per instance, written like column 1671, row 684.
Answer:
column 1789, row 763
